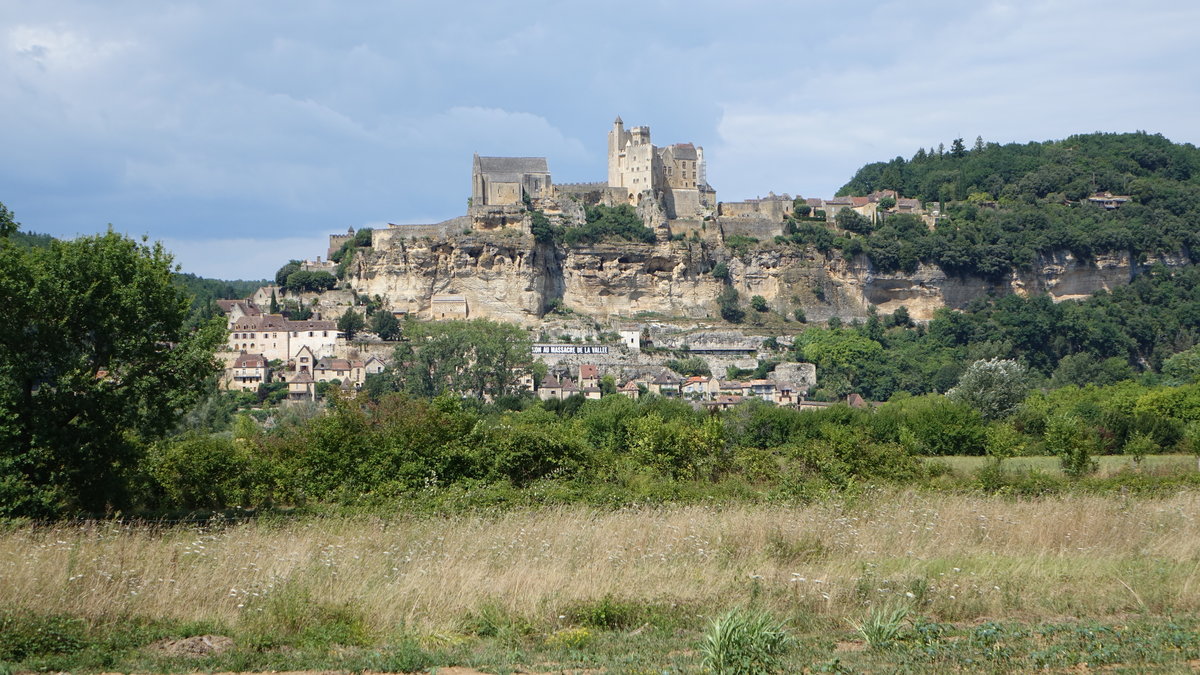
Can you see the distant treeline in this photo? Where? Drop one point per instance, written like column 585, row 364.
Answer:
column 1004, row 205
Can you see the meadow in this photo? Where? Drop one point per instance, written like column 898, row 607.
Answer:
column 622, row 590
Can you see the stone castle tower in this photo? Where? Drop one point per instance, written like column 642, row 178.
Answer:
column 675, row 174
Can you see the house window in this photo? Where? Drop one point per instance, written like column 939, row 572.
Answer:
column 325, row 334
column 310, row 333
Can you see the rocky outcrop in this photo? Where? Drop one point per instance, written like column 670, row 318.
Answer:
column 506, row 275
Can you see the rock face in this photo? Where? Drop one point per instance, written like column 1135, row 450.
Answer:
column 508, row 276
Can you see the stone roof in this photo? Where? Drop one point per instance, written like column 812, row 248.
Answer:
column 262, row 322
column 250, row 361
column 513, row 165
column 312, row 324
column 683, row 151
column 330, row 363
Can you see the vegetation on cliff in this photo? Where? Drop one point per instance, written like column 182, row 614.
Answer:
column 1004, row 205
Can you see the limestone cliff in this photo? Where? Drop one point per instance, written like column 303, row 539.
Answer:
column 508, row 276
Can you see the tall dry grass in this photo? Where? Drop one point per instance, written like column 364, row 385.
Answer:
column 959, row 557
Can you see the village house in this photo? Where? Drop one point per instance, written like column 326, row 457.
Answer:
column 589, row 376
column 302, row 387
column 248, row 372
column 328, row 369
column 550, row 388
column 277, row 337
column 631, row 390
column 665, row 385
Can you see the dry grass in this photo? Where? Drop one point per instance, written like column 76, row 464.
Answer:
column 1107, row 465
column 961, row 557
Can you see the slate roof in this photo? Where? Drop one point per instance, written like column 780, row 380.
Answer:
column 513, row 165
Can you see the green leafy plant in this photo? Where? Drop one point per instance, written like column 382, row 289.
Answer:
column 744, row 641
column 883, row 626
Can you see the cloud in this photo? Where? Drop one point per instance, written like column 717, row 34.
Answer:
column 280, row 120
column 243, row 257
column 1003, row 72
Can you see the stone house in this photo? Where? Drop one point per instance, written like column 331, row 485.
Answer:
column 248, row 372
column 302, row 387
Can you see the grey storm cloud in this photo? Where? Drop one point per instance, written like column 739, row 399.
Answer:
column 241, row 133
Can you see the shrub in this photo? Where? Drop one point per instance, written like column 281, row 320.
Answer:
column 995, row 387
column 883, row 626
column 1067, row 437
column 744, row 641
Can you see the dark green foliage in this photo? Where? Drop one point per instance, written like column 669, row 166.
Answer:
column 281, row 276
column 727, row 300
column 721, row 271
column 1039, row 190
column 476, row 358
column 303, row 281
column 543, row 231
column 692, row 365
column 385, row 325
column 853, row 221
column 758, row 303
column 609, row 222
column 350, row 323
column 96, row 362
column 205, row 292
column 204, row 472
column 740, row 244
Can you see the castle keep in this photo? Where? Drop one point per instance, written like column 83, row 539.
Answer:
column 674, row 174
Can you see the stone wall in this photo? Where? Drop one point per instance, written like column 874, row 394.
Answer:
column 382, row 238
column 759, row 228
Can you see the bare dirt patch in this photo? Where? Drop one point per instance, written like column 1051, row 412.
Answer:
column 198, row 645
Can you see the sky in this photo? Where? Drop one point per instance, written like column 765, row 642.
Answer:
column 242, row 133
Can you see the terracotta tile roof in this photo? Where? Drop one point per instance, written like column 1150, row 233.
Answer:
column 589, row 371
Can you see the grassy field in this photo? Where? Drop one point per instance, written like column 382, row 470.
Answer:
column 622, row 590
column 1108, row 465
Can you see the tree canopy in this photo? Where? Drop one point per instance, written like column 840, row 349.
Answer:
column 478, row 358
column 95, row 361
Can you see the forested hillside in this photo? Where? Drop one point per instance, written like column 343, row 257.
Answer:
column 1003, row 205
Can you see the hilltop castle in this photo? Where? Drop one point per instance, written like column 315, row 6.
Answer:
column 675, row 175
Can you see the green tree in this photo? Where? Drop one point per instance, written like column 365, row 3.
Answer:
column 385, row 325
column 759, row 303
column 304, row 280
column 95, row 364
column 470, row 358
column 8, row 226
column 994, row 387
column 286, row 271
column 853, row 221
column 727, row 300
column 350, row 323
column 721, row 271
